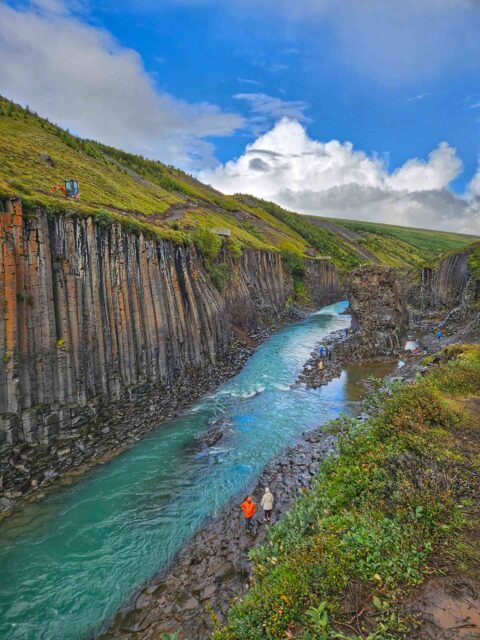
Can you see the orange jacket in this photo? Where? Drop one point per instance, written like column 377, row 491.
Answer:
column 248, row 507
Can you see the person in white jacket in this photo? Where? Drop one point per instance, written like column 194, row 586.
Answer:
column 267, row 504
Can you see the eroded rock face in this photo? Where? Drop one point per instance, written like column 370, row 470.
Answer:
column 255, row 291
column 91, row 312
column 379, row 313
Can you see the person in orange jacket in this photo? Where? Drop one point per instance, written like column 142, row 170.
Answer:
column 248, row 507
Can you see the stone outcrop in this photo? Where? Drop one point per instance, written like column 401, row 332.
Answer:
column 379, row 313
column 105, row 333
column 379, row 322
column 441, row 286
column 255, row 291
column 91, row 312
column 452, row 289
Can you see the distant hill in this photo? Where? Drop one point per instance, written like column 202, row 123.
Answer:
column 36, row 154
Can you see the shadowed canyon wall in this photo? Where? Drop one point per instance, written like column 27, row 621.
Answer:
column 104, row 334
column 450, row 284
column 322, row 282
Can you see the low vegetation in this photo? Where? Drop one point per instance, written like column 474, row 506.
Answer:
column 474, row 261
column 293, row 264
column 160, row 201
column 340, row 562
column 424, row 245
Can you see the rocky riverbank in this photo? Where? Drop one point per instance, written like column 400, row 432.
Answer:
column 213, row 567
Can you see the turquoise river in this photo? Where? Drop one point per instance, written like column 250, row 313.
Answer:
column 68, row 562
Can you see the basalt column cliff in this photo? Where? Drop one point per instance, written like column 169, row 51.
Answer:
column 104, row 333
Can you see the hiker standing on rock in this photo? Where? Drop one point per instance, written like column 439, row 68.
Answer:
column 267, row 504
column 248, row 507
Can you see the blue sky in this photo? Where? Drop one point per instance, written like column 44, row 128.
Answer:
column 193, row 82
column 209, row 52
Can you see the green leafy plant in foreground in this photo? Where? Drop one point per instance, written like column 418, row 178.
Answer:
column 373, row 516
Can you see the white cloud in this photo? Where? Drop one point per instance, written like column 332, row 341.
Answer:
column 82, row 78
column 419, row 96
column 332, row 178
column 274, row 107
column 248, row 81
column 474, row 185
column 442, row 167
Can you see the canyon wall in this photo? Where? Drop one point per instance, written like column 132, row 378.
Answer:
column 256, row 290
column 90, row 312
column 105, row 333
column 323, row 283
column 449, row 285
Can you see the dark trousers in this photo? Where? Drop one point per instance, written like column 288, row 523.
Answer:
column 267, row 514
column 249, row 522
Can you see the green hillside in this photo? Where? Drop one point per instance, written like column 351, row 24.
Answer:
column 421, row 244
column 352, row 241
column 168, row 203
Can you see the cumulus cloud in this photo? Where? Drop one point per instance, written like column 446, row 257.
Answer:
column 442, row 167
column 81, row 77
column 332, row 178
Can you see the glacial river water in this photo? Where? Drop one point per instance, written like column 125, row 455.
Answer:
column 67, row 563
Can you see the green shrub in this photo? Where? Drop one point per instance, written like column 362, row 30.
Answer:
column 219, row 275
column 474, row 262
column 103, row 219
column 207, row 243
column 293, row 264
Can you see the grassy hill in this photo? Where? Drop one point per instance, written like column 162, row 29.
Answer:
column 169, row 203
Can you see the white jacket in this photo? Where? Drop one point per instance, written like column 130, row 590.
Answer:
column 267, row 501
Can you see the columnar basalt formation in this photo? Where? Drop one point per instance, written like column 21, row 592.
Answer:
column 379, row 313
column 255, row 290
column 90, row 312
column 105, row 333
column 322, row 282
column 379, row 322
column 443, row 285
